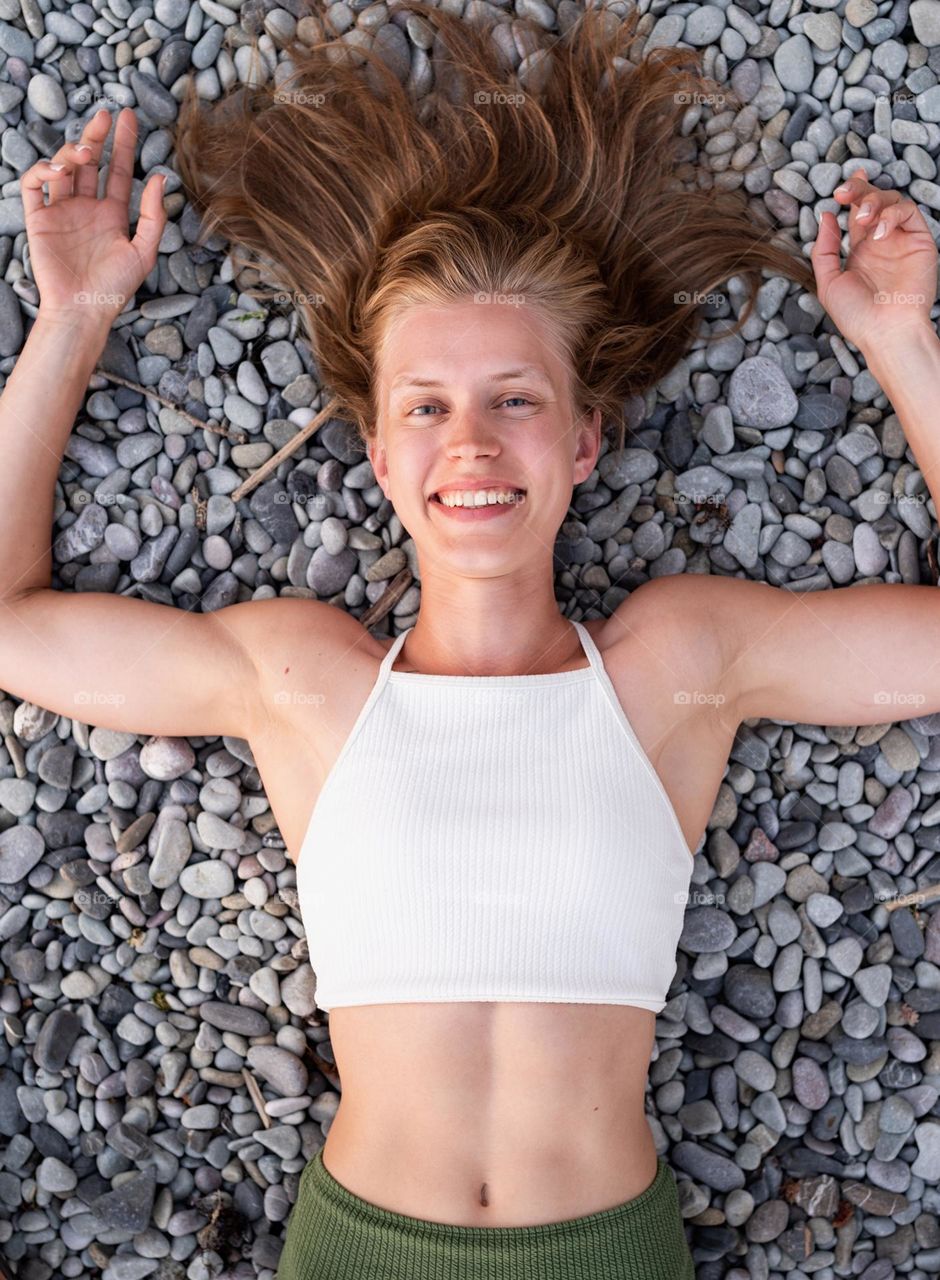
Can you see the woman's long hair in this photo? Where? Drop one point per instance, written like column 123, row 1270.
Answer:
column 567, row 185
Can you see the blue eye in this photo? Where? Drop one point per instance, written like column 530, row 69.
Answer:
column 523, row 399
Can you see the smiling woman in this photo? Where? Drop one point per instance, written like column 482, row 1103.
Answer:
column 486, row 277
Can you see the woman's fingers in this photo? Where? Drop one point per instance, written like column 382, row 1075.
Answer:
column 901, row 215
column 150, row 222
column 826, row 254
column 80, row 176
column 866, row 204
column 72, row 170
column 96, row 130
column 121, row 166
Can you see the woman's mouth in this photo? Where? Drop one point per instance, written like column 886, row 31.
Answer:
column 471, row 505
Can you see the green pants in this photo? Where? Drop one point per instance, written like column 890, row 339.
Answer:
column 334, row 1235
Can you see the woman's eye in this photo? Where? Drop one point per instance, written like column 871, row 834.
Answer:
column 523, row 399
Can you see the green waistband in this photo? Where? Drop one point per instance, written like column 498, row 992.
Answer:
column 333, row 1234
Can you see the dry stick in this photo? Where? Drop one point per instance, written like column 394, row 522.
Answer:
column 906, row 899
column 388, row 599
column 256, row 1096
column 238, row 437
column 295, row 442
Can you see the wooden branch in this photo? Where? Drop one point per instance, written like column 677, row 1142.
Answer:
column 238, row 437
column 256, row 1096
column 911, row 899
column 295, row 442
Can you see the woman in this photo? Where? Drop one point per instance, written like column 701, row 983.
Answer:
column 493, row 815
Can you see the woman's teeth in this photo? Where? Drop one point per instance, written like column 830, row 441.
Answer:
column 480, row 497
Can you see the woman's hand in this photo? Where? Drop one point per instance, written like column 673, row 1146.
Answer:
column 82, row 260
column 889, row 284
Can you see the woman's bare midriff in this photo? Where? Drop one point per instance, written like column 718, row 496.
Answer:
column 500, row 1114
column 486, row 1113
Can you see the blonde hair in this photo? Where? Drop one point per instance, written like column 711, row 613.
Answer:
column 568, row 193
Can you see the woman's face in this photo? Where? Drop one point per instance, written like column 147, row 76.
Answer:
column 499, row 412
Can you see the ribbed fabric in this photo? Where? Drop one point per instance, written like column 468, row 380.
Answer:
column 493, row 838
column 333, row 1234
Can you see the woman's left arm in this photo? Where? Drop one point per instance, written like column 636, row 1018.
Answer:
column 868, row 653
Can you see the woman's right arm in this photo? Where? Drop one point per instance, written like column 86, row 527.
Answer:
column 108, row 660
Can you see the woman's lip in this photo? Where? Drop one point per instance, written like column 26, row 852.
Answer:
column 485, row 511
column 436, row 497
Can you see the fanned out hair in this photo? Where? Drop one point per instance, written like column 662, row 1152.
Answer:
column 563, row 184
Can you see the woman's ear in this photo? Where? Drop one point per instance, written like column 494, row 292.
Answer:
column 589, row 444
column 375, row 450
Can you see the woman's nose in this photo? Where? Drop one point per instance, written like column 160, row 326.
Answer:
column 470, row 431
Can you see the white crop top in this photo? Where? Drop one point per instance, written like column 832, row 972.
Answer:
column 493, row 838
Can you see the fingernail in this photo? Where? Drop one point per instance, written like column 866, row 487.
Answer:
column 880, row 231
column 865, row 211
column 842, row 191
column 83, row 146
column 57, row 167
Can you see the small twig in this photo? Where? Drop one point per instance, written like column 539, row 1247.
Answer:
column 238, row 437
column 256, row 1097
column 295, row 442
column 388, row 599
column 908, row 899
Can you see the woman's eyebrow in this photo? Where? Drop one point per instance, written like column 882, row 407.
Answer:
column 524, row 371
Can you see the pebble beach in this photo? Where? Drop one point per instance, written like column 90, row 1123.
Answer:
column 165, row 1074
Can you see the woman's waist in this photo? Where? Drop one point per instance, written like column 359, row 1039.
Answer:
column 549, row 1156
